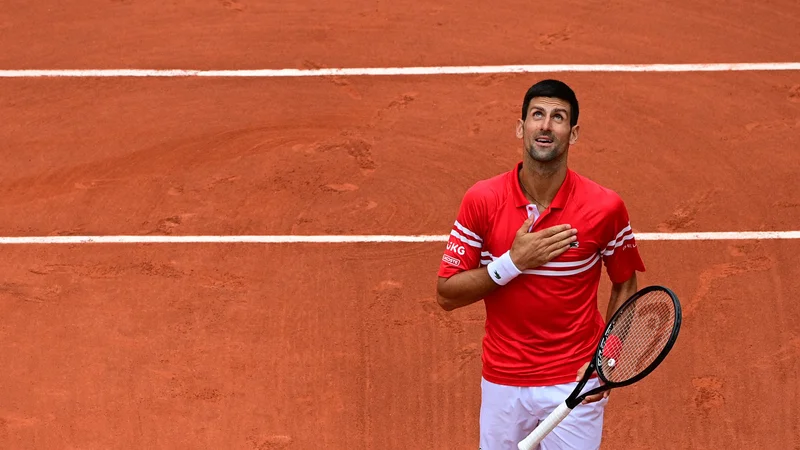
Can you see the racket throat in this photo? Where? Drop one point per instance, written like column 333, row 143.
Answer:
column 572, row 403
column 587, row 375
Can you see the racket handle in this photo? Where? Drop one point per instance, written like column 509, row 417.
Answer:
column 544, row 428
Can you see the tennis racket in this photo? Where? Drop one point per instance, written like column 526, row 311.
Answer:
column 636, row 340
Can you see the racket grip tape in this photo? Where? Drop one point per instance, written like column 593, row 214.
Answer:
column 544, row 428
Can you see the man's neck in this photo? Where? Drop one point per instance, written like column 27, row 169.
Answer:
column 541, row 181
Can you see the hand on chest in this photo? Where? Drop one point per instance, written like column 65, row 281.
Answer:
column 580, row 255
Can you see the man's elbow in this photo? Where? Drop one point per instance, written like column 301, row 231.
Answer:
column 445, row 303
column 442, row 297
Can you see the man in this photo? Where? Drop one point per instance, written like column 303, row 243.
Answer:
column 531, row 243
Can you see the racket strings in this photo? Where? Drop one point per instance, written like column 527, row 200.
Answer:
column 643, row 329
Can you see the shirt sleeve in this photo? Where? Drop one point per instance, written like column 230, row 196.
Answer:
column 621, row 254
column 463, row 250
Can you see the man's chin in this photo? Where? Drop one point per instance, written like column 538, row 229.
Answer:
column 543, row 155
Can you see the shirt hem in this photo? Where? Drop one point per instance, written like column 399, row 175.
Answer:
column 519, row 381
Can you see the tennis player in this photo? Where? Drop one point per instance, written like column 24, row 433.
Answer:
column 531, row 243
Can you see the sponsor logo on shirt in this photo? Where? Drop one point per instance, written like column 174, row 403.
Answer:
column 455, row 248
column 450, row 260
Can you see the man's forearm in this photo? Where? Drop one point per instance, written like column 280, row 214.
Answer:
column 464, row 288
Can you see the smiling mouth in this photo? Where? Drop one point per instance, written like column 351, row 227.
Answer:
column 544, row 141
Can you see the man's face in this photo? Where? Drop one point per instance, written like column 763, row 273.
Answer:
column 546, row 133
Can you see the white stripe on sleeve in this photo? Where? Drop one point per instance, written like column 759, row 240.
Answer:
column 467, row 232
column 625, row 235
column 463, row 239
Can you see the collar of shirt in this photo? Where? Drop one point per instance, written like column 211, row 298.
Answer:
column 560, row 200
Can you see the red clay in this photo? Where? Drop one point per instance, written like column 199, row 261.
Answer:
column 688, row 152
column 343, row 346
column 245, row 34
column 243, row 346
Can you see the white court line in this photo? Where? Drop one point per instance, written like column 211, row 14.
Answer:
column 289, row 239
column 435, row 70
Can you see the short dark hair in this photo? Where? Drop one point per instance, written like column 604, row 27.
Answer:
column 554, row 89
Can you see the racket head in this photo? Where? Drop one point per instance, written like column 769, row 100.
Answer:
column 638, row 336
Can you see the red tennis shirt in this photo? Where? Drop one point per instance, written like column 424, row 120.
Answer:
column 545, row 324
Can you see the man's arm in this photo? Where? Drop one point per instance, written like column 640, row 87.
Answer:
column 463, row 289
column 621, row 256
column 620, row 292
column 529, row 250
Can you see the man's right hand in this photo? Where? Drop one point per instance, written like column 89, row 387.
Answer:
column 531, row 250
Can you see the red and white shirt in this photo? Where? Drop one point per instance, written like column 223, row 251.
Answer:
column 545, row 324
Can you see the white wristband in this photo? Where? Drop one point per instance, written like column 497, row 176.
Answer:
column 502, row 270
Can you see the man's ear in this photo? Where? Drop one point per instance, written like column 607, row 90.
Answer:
column 573, row 134
column 520, row 128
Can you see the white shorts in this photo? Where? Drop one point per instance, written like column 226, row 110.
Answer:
column 509, row 413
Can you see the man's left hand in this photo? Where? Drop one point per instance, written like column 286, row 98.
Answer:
column 595, row 397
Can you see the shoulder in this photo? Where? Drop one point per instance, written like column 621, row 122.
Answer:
column 489, row 191
column 596, row 194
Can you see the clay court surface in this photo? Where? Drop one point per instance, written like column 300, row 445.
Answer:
column 342, row 346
